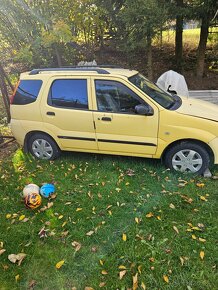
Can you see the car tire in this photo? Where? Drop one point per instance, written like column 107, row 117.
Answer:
column 42, row 146
column 187, row 157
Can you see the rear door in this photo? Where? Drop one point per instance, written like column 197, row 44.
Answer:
column 118, row 127
column 66, row 112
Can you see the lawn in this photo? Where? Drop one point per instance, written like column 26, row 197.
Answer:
column 115, row 223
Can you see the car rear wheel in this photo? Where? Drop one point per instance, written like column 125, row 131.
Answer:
column 43, row 147
column 187, row 157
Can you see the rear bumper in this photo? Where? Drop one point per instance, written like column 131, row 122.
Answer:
column 18, row 131
column 214, row 146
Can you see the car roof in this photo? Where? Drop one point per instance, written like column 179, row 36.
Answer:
column 88, row 70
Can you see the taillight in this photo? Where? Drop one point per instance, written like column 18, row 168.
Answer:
column 14, row 92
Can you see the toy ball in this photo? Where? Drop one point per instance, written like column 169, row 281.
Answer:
column 33, row 200
column 47, row 189
column 30, row 188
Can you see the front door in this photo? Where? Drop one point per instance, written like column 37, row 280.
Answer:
column 119, row 128
column 67, row 113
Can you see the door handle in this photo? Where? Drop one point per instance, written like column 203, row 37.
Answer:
column 50, row 113
column 108, row 119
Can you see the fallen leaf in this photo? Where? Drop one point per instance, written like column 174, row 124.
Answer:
column 21, row 217
column 17, row 277
column 203, row 198
column 42, row 233
column 25, row 220
column 137, row 220
column 90, row 233
column 149, row 215
column 12, row 258
column 140, row 269
column 121, row 267
column 102, row 284
column 124, row 237
column 79, row 209
column 143, row 286
column 77, row 246
column 60, row 217
column 151, row 260
column 202, row 255
column 50, row 204
column 8, row 216
column 101, row 262
column 89, row 288
column 59, row 264
column 2, row 251
column 104, row 272
column 175, row 229
column 194, row 237
column 31, row 284
column 166, row 279
column 20, row 258
column 202, row 240
column 122, row 274
column 135, row 282
column 200, row 185
column 182, row 260
column 172, row 206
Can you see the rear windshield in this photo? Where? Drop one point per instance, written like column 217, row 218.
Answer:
column 27, row 92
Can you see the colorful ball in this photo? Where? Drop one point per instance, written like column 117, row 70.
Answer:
column 30, row 188
column 47, row 189
column 33, row 200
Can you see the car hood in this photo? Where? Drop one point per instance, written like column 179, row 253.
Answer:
column 198, row 108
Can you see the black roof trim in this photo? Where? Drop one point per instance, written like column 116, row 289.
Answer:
column 79, row 68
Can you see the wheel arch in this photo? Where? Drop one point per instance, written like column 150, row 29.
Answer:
column 195, row 141
column 30, row 134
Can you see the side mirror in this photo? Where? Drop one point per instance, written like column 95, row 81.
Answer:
column 144, row 110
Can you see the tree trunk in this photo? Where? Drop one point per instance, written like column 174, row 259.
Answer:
column 149, row 55
column 58, row 56
column 202, row 46
column 178, row 38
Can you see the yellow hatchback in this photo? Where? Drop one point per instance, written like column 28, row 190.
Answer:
column 112, row 111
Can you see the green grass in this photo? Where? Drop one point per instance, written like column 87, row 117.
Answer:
column 191, row 37
column 109, row 201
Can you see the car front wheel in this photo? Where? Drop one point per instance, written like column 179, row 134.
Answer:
column 43, row 147
column 187, row 157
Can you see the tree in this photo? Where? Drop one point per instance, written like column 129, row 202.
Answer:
column 205, row 11
column 143, row 20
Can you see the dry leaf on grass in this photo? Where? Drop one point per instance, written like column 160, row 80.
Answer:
column 13, row 258
column 59, row 264
column 166, row 279
column 77, row 246
column 175, row 229
column 202, row 255
column 135, row 282
column 2, row 251
column 90, row 233
column 122, row 274
column 124, row 237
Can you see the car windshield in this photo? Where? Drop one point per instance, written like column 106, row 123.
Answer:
column 164, row 99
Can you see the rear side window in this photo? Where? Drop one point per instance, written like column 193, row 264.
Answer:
column 69, row 93
column 27, row 92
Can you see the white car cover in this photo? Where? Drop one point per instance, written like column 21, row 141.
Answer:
column 173, row 81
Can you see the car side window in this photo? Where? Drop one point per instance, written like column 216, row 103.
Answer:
column 69, row 93
column 113, row 96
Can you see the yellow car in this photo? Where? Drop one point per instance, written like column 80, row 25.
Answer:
column 112, row 111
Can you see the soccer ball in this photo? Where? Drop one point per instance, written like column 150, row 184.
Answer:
column 30, row 188
column 33, row 200
column 47, row 189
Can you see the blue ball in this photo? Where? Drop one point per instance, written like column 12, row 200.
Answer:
column 47, row 189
